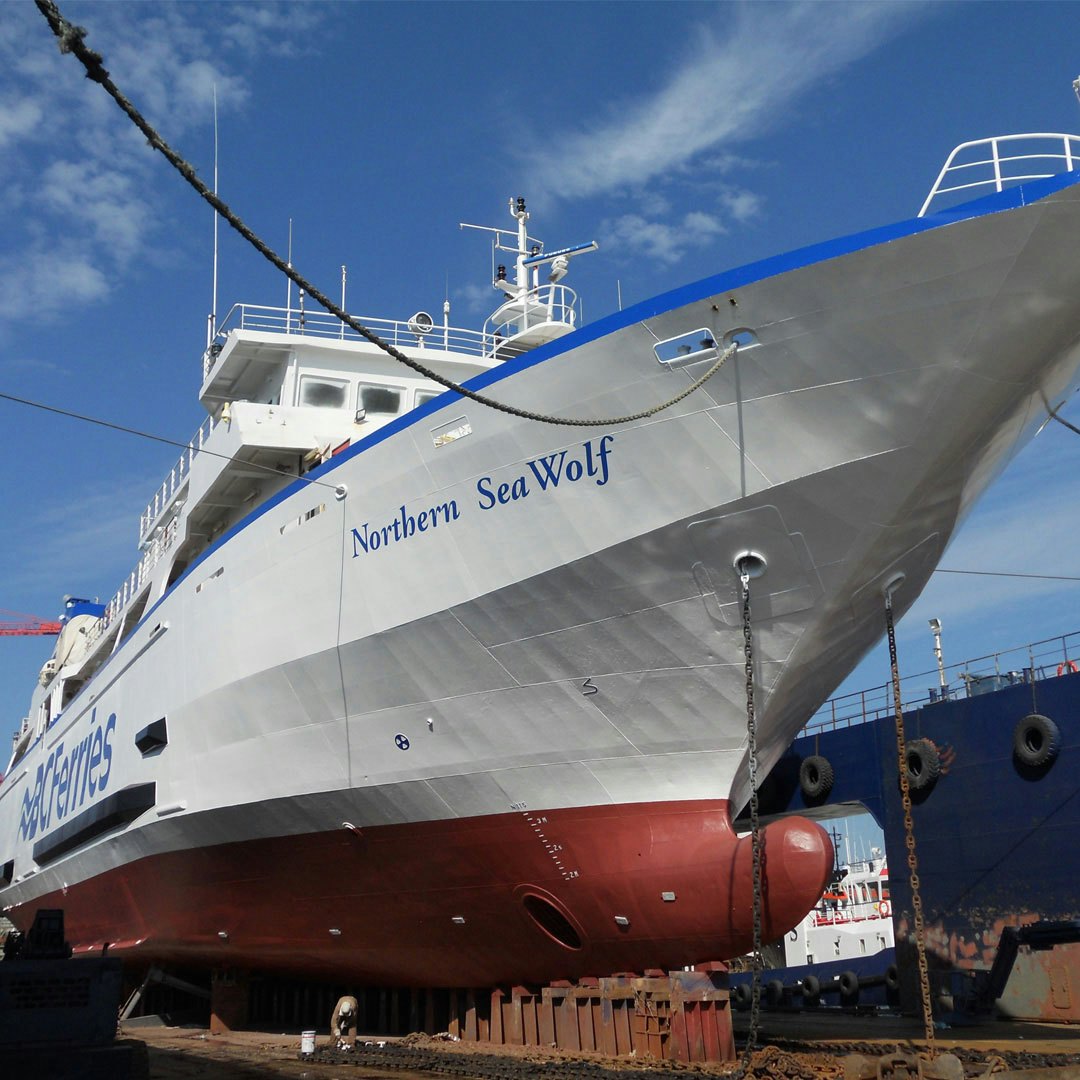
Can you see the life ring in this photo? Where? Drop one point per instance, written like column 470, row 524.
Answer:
column 1068, row 667
column 1036, row 740
column 923, row 764
column 884, row 910
column 815, row 777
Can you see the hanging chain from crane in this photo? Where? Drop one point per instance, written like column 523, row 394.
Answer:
column 71, row 41
column 909, row 834
column 755, row 829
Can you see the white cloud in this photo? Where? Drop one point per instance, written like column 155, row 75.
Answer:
column 79, row 205
column 48, row 280
column 743, row 206
column 740, row 72
column 102, row 199
column 664, row 241
column 17, row 118
column 477, row 297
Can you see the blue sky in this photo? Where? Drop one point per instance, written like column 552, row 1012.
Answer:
column 685, row 138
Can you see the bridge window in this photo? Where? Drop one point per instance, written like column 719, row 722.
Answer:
column 323, row 393
column 380, row 400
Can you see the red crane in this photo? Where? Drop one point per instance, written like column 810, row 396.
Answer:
column 13, row 623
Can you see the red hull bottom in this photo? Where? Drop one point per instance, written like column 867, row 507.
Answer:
column 513, row 898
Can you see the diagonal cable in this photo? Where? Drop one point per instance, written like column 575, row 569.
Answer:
column 56, row 410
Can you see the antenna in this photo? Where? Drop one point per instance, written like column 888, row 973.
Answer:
column 1076, row 87
column 211, row 326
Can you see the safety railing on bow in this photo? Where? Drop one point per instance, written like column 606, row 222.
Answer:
column 975, row 168
column 1022, row 664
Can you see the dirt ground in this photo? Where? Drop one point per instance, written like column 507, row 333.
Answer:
column 194, row 1054
column 189, row 1054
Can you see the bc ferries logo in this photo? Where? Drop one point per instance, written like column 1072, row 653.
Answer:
column 542, row 474
column 69, row 779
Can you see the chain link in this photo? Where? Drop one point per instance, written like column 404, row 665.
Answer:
column 755, row 831
column 909, row 836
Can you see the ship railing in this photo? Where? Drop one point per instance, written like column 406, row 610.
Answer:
column 544, row 304
column 1038, row 660
column 1000, row 162
column 165, row 496
column 408, row 333
column 846, row 916
column 133, row 585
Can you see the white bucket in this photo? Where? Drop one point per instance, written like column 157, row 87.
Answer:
column 307, row 1042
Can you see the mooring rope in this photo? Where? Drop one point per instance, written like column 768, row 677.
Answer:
column 71, row 40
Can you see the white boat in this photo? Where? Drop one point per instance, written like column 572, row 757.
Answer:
column 409, row 689
column 853, row 918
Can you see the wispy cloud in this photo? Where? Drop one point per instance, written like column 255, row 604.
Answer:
column 661, row 240
column 745, row 68
column 1029, row 527
column 79, row 208
column 726, row 87
column 476, row 297
column 39, row 549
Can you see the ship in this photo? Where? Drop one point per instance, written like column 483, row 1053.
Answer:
column 415, row 690
column 989, row 739
column 852, row 919
column 843, row 952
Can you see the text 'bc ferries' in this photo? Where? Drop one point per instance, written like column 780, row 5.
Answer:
column 408, row 688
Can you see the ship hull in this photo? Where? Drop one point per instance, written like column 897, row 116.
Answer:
column 436, row 630
column 562, row 894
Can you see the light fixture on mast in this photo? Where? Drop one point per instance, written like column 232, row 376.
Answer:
column 935, row 629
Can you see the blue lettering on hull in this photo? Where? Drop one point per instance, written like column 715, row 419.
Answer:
column 69, row 779
column 542, row 474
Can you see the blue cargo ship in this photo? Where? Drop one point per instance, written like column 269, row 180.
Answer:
column 992, row 754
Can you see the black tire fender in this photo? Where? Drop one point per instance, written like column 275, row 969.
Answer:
column 1036, row 740
column 848, row 982
column 815, row 777
column 892, row 977
column 741, row 994
column 774, row 993
column 811, row 987
column 923, row 763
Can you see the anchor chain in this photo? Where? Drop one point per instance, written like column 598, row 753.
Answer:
column 909, row 835
column 755, row 831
